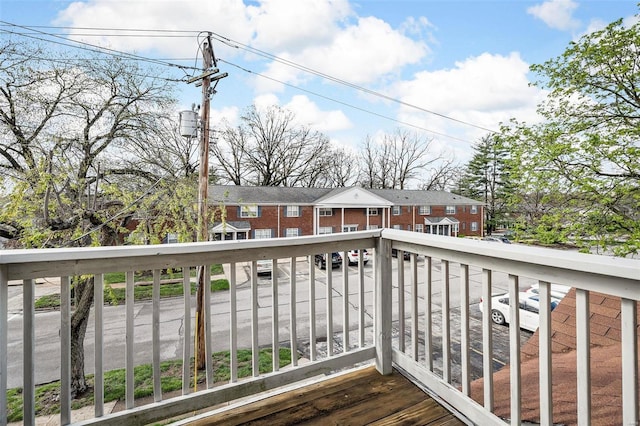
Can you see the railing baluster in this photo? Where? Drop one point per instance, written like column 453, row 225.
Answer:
column 4, row 341
column 155, row 335
column 446, row 322
column 583, row 356
column 465, row 365
column 345, row 298
column 544, row 336
column 275, row 338
column 629, row 330
column 414, row 306
column 28, row 337
column 98, row 310
column 65, row 350
column 207, row 325
column 329, row 295
column 255, row 367
column 186, row 339
column 361, row 307
column 233, row 322
column 293, row 335
column 487, row 340
column 312, row 309
column 129, row 300
column 428, row 325
column 514, row 350
column 401, row 311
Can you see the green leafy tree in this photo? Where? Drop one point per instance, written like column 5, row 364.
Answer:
column 583, row 161
column 486, row 178
column 66, row 128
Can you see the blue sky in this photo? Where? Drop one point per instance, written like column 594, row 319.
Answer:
column 464, row 64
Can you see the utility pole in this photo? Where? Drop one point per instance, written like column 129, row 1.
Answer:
column 208, row 62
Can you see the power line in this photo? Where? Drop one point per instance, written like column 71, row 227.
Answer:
column 90, row 47
column 238, row 45
column 342, row 102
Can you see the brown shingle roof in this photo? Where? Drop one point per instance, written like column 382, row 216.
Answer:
column 606, row 370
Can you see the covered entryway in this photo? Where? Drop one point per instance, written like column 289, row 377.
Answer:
column 442, row 226
column 233, row 230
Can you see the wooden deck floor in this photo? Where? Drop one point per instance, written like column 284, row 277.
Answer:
column 359, row 397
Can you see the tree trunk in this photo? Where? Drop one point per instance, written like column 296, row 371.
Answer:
column 79, row 320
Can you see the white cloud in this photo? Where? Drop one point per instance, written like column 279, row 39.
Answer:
column 309, row 114
column 306, row 112
column 227, row 17
column 291, row 26
column 361, row 53
column 228, row 115
column 556, row 14
column 485, row 90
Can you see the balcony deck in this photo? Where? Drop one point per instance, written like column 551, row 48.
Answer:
column 362, row 396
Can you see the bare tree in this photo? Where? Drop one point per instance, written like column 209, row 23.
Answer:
column 396, row 160
column 269, row 149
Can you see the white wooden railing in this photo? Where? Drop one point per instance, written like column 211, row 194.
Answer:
column 397, row 313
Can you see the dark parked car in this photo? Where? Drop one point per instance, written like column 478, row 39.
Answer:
column 406, row 254
column 321, row 261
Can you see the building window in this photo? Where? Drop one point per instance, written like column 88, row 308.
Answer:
column 474, row 226
column 419, row 227
column 325, row 230
column 408, row 227
column 293, row 211
column 397, row 210
column 424, row 210
column 399, row 227
column 172, row 238
column 248, row 211
column 292, row 232
column 326, row 211
column 349, row 228
column 262, row 233
column 372, row 226
column 450, row 210
column 372, row 212
column 474, row 209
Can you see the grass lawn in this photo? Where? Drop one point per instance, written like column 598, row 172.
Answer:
column 48, row 395
column 142, row 291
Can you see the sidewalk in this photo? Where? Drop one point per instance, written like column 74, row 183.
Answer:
column 44, row 286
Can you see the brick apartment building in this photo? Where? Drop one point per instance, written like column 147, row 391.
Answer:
column 241, row 212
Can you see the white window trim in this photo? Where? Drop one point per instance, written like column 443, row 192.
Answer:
column 322, row 211
column 247, row 211
column 372, row 211
column 292, row 232
column 399, row 212
column 450, row 210
column 424, row 210
column 258, row 233
column 323, row 230
column 293, row 213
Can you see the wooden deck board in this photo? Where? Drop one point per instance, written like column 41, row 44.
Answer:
column 359, row 397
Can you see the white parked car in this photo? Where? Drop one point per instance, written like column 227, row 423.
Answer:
column 529, row 310
column 558, row 291
column 353, row 255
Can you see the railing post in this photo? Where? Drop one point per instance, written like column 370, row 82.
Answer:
column 383, row 306
column 4, row 336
